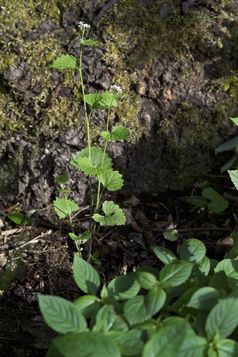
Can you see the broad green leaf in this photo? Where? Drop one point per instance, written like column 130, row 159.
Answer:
column 62, row 179
column 88, row 305
column 130, row 342
column 166, row 342
column 114, row 215
column 108, row 320
column 124, row 287
column 87, row 344
column 118, row 133
column 89, row 42
column 146, row 279
column 223, row 318
column 142, row 307
column 64, row 62
column 94, row 165
column 204, row 265
column 217, row 202
column 227, row 348
column 111, row 180
column 204, row 299
column 84, row 301
column 64, row 207
column 18, row 218
column 175, row 273
column 61, row 315
column 164, row 254
column 171, row 235
column 235, row 121
column 234, row 177
column 229, row 266
column 105, row 318
column 192, row 250
column 85, row 276
column 193, row 346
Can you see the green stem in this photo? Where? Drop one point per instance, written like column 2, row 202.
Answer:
column 103, row 158
column 87, row 118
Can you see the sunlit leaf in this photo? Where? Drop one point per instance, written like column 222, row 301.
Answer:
column 118, row 133
column 64, row 62
column 114, row 215
column 112, row 180
column 64, row 207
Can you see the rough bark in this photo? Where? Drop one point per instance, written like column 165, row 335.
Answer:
column 176, row 60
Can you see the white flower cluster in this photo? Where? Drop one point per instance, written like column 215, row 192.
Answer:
column 116, row 88
column 83, row 25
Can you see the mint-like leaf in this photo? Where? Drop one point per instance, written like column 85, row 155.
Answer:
column 94, row 165
column 111, row 180
column 64, row 207
column 64, row 62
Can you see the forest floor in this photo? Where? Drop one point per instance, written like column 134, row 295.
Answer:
column 37, row 258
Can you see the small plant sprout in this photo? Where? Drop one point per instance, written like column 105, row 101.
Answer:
column 92, row 160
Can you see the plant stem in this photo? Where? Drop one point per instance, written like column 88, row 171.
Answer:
column 87, row 118
column 103, row 158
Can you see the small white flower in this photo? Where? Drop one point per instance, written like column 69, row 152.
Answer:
column 83, row 25
column 116, row 88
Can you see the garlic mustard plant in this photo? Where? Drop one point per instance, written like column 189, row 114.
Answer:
column 93, row 160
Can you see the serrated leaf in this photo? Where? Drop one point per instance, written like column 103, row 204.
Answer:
column 61, row 315
column 108, row 100
column 114, row 215
column 93, row 100
column 85, row 276
column 234, row 177
column 175, row 273
column 146, row 279
column 223, row 318
column 118, row 133
column 130, row 342
column 192, row 250
column 87, row 344
column 227, row 348
column 64, row 62
column 164, row 254
column 112, row 180
column 89, row 42
column 124, row 287
column 94, row 165
column 64, row 207
column 142, row 307
column 217, row 202
column 204, row 299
